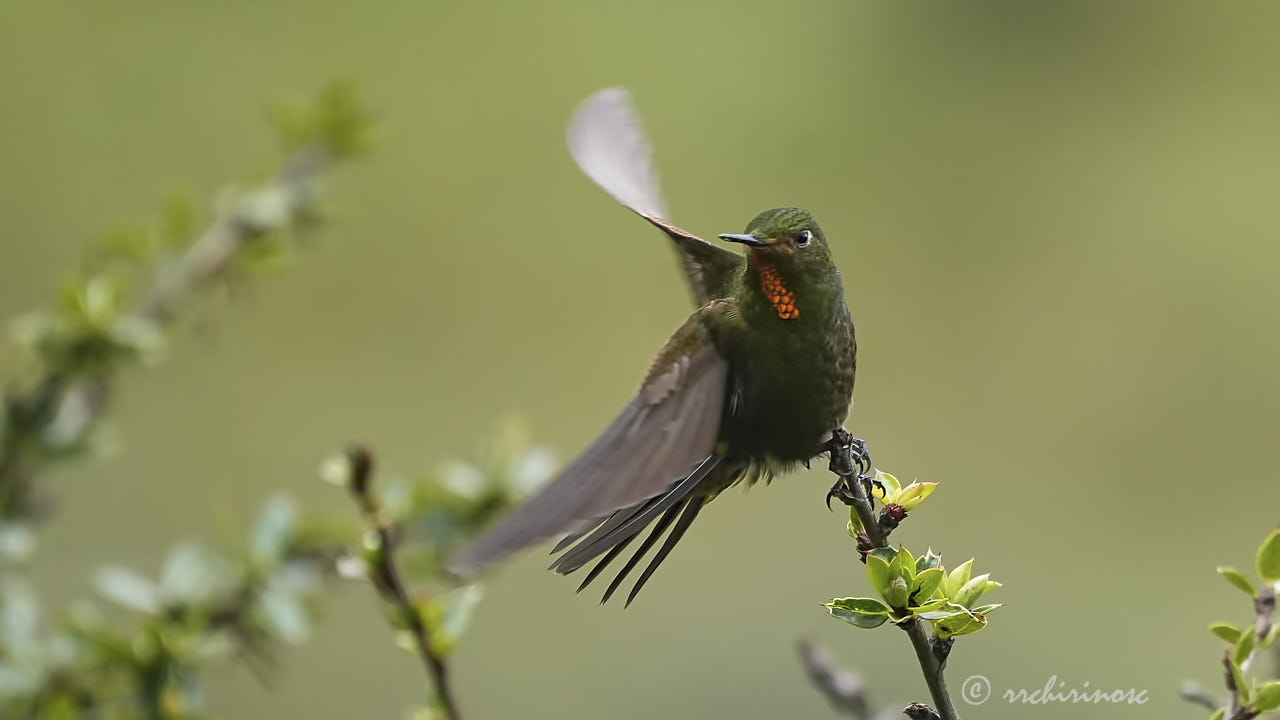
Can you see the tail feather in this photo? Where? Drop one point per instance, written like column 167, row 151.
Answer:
column 658, row 528
column 634, row 519
column 692, row 507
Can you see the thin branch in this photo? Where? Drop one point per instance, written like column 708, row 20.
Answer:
column 70, row 405
column 1197, row 694
column 386, row 577
column 1264, row 607
column 843, row 688
column 932, row 654
column 850, row 462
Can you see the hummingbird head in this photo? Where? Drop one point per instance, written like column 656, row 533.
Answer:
column 789, row 255
column 787, row 236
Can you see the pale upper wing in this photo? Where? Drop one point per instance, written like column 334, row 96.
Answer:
column 608, row 142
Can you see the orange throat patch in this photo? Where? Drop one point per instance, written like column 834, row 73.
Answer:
column 779, row 295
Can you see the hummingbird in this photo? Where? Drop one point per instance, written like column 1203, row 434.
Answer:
column 748, row 387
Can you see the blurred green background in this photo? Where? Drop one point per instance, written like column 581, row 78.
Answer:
column 1058, row 228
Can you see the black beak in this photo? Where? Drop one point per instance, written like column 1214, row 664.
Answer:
column 748, row 240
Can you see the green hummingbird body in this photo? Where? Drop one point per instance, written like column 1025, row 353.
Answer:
column 791, row 377
column 749, row 386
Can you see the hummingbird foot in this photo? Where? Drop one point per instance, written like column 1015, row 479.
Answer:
column 843, row 491
column 849, row 455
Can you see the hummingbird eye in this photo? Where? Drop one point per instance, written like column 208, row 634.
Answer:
column 803, row 238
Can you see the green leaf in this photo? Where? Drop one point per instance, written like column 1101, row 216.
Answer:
column 933, row 604
column 1270, row 639
column 947, row 610
column 1218, row 714
column 926, row 582
column 1227, row 632
column 960, row 624
column 957, row 578
column 1267, row 697
column 898, row 592
column 878, row 573
column 885, row 553
column 889, row 482
column 1244, row 646
column 1268, row 560
column 860, row 612
column 904, row 566
column 974, row 589
column 928, row 560
column 1237, row 578
column 912, row 495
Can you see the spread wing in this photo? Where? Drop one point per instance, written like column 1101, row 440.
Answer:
column 607, row 141
column 658, row 449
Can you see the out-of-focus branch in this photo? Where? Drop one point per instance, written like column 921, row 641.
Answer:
column 1236, row 708
column 62, row 403
column 846, row 691
column 380, row 551
column 1247, row 696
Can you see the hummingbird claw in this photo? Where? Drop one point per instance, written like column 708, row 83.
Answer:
column 849, row 455
column 842, row 492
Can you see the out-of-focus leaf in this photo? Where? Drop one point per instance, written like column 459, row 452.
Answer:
column 1227, row 632
column 17, row 543
column 464, row 479
column 15, row 682
column 274, row 528
column 128, row 589
column 1268, row 560
column 336, row 470
column 1237, row 578
column 19, row 620
column 193, row 574
column 532, row 470
column 1243, row 689
column 460, row 606
column 284, row 613
column 1244, row 646
column 1267, row 697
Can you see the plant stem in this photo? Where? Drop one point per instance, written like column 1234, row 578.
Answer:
column 386, row 578
column 933, row 658
column 932, row 663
